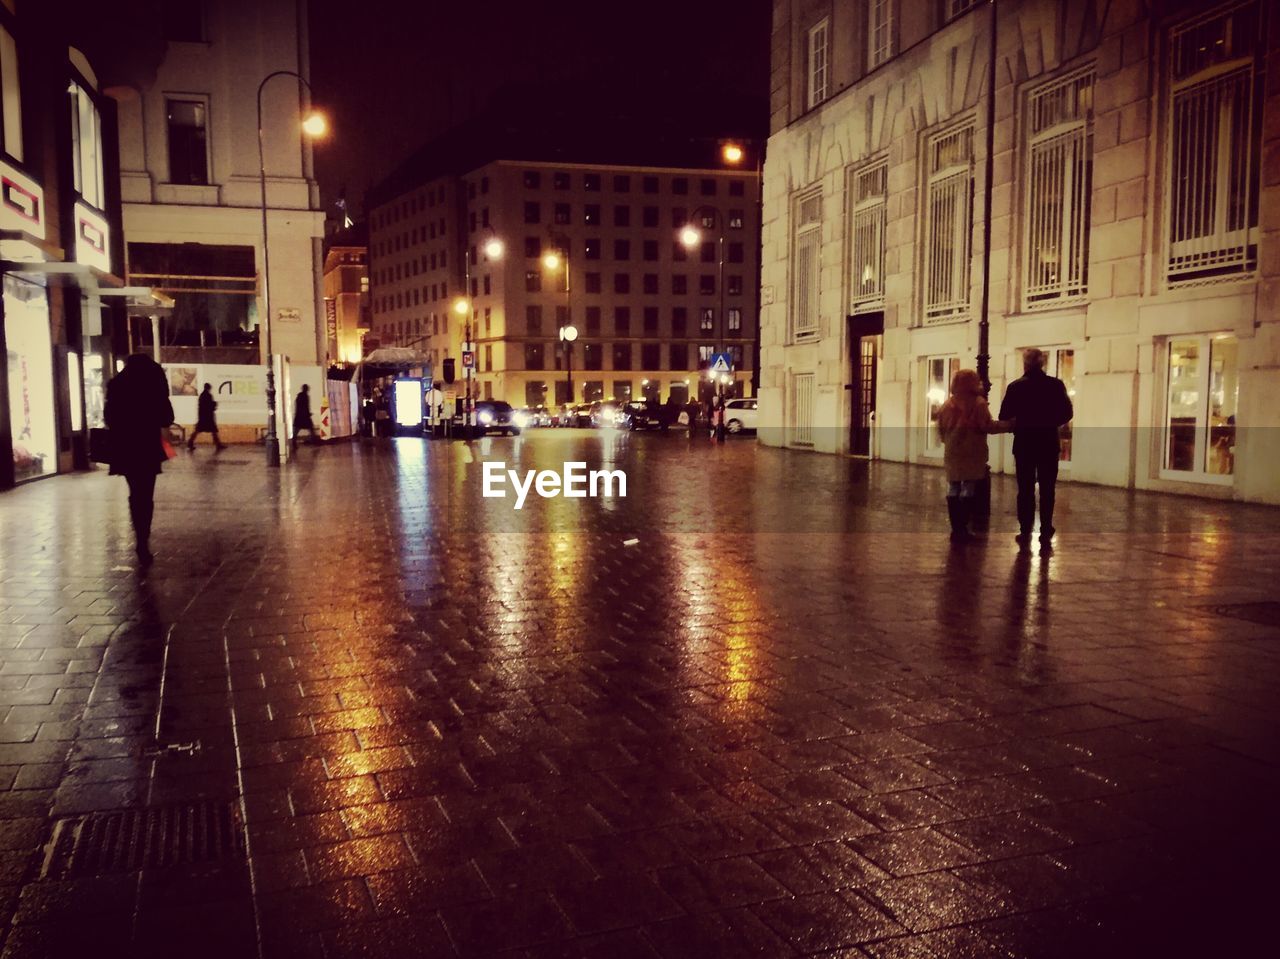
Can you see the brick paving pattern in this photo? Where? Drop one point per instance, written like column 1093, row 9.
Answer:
column 790, row 720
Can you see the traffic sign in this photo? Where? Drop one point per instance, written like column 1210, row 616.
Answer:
column 720, row 363
column 468, row 360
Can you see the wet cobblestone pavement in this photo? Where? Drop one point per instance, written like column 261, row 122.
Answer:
column 357, row 710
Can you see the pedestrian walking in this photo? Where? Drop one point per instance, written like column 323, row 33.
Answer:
column 302, row 415
column 137, row 411
column 963, row 424
column 1039, row 406
column 206, row 422
column 691, row 411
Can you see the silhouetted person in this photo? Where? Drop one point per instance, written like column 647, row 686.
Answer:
column 963, row 424
column 137, row 410
column 1038, row 405
column 302, row 415
column 206, row 422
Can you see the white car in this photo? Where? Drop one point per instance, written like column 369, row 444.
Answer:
column 740, row 415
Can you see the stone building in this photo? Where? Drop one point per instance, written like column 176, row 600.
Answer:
column 1134, row 229
column 346, row 295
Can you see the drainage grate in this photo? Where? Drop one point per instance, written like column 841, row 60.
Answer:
column 1264, row 614
column 103, row 843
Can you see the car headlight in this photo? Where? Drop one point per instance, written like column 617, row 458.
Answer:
column 486, row 417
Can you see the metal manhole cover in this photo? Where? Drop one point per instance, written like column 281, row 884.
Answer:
column 127, row 840
column 1264, row 614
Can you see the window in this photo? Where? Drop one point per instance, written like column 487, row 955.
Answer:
column 535, row 392
column 11, row 107
column 707, row 186
column 650, row 356
column 532, row 247
column 737, row 252
column 562, row 213
column 879, row 32
column 592, row 281
column 817, row 66
column 1200, row 415
column 650, row 319
column 562, row 316
column 735, row 219
column 955, row 8
column 593, row 319
column 707, row 284
column 707, row 251
column 533, row 318
column 622, row 184
column 86, row 146
column 488, row 285
column 651, row 283
column 622, row 249
column 679, row 356
column 650, row 250
column 592, row 357
column 591, row 248
column 532, row 179
column 680, row 185
column 734, row 285
column 679, row 284
column 948, row 224
column 735, row 319
column 560, row 181
column 591, row 182
column 649, row 184
column 707, row 319
column 805, row 264
column 622, row 321
column 868, row 192
column 622, row 216
column 622, row 357
column 484, row 217
column 591, row 214
column 532, row 212
column 621, row 283
column 1059, row 183
column 649, row 216
column 737, row 188
column 1214, row 148
column 533, row 357
column 533, row 281
column 679, row 322
column 937, row 387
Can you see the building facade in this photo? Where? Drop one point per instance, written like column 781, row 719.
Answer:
column 599, row 248
column 346, row 296
column 1130, row 163
column 64, row 302
column 191, row 190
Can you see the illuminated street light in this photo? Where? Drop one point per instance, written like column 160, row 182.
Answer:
column 460, row 306
column 551, row 261
column 315, row 124
column 493, row 248
column 732, row 153
column 466, row 306
column 690, row 236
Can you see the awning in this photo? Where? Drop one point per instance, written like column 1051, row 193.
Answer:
column 94, row 283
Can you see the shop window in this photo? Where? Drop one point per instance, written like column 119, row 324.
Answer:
column 86, row 146
column 593, row 391
column 651, row 390
column 31, row 410
column 1200, row 410
column 535, row 393
column 937, row 387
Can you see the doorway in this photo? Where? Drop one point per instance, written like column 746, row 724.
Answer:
column 865, row 331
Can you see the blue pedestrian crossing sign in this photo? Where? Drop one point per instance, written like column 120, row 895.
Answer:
column 720, row 363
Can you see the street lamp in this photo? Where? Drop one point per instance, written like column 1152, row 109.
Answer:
column 314, row 125
column 691, row 237
column 553, row 260
column 493, row 250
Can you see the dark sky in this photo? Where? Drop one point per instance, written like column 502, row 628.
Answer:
column 395, row 75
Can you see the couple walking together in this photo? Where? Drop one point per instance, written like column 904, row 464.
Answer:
column 1035, row 406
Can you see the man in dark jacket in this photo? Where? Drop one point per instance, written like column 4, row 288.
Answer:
column 137, row 410
column 206, row 421
column 302, row 415
column 1038, row 405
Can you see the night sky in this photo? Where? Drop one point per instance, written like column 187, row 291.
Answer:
column 395, row 76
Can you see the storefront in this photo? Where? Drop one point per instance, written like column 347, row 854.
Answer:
column 29, row 365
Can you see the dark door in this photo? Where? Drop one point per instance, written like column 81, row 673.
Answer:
column 864, row 347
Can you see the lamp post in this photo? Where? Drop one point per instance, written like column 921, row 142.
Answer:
column 553, row 260
column 467, row 307
column 691, row 237
column 313, row 125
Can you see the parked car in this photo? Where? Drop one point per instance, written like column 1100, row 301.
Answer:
column 604, row 414
column 496, row 416
column 740, row 415
column 579, row 415
column 643, row 415
column 532, row 416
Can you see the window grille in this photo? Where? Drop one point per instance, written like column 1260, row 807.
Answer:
column 1059, row 184
column 1214, row 147
column 948, row 225
column 868, row 193
column 807, row 262
column 802, row 409
column 879, row 32
column 819, row 65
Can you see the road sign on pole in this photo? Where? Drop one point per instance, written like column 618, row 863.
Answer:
column 720, row 363
column 468, row 360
